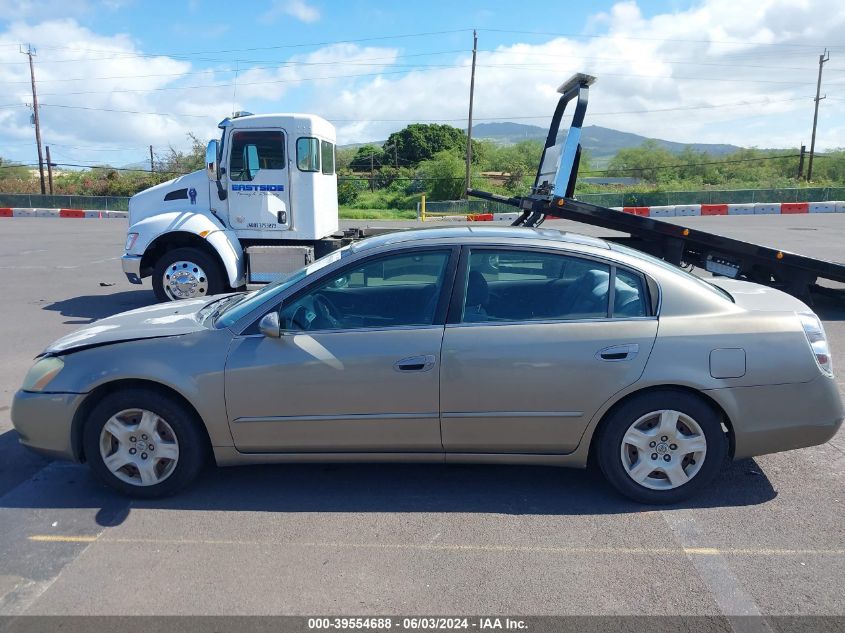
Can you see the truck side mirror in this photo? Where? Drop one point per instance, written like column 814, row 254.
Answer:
column 270, row 326
column 211, row 153
column 251, row 160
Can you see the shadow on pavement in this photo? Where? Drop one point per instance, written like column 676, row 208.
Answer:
column 89, row 308
column 515, row 490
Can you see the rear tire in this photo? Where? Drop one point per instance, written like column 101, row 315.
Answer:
column 144, row 443
column 661, row 447
column 187, row 273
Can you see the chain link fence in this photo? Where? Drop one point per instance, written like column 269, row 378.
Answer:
column 465, row 207
column 736, row 196
column 655, row 199
column 37, row 201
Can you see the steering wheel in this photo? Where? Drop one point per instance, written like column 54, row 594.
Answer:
column 327, row 311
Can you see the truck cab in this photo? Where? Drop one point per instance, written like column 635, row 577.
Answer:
column 266, row 201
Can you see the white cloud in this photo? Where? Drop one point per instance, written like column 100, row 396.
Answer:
column 671, row 66
column 299, row 9
column 677, row 66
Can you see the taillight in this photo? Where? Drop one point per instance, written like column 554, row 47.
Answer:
column 818, row 340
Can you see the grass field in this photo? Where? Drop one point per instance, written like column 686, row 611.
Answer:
column 347, row 213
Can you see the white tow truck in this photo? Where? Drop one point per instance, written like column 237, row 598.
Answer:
column 265, row 205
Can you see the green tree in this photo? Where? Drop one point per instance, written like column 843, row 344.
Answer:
column 366, row 153
column 444, row 176
column 348, row 190
column 10, row 170
column 649, row 161
column 419, row 142
column 174, row 162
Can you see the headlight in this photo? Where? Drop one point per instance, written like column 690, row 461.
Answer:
column 42, row 372
column 130, row 241
column 818, row 341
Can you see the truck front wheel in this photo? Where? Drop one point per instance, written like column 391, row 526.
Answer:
column 187, row 273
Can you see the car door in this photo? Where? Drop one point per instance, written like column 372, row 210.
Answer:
column 259, row 197
column 535, row 343
column 357, row 367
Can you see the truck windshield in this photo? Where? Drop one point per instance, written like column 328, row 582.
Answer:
column 251, row 300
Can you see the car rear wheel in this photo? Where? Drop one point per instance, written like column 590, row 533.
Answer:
column 187, row 273
column 143, row 443
column 662, row 447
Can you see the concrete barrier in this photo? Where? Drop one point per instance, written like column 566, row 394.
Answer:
column 766, row 208
column 741, row 209
column 687, row 210
column 794, row 207
column 822, row 207
column 662, row 211
column 714, row 209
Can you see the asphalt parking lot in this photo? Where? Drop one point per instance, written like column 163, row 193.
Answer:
column 768, row 538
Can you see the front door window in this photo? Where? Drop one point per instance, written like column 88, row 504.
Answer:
column 395, row 290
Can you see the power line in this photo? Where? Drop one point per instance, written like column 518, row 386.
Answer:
column 439, row 120
column 715, row 162
column 403, row 71
column 270, row 66
column 652, row 39
column 278, row 47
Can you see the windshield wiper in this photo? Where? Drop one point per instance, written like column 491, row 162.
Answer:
column 219, row 306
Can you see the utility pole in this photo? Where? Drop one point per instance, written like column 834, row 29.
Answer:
column 801, row 162
column 152, row 161
column 49, row 170
column 372, row 172
column 822, row 59
column 469, row 118
column 29, row 53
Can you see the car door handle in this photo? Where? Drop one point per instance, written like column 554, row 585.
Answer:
column 618, row 352
column 415, row 363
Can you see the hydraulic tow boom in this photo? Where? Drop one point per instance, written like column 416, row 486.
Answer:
column 553, row 195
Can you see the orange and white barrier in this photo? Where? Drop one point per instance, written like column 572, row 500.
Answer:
column 680, row 210
column 7, row 212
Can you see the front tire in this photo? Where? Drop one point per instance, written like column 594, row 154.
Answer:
column 661, row 447
column 187, row 273
column 143, row 443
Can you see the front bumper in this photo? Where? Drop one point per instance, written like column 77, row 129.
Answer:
column 775, row 418
column 132, row 267
column 45, row 422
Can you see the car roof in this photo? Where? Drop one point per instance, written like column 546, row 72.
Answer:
column 495, row 233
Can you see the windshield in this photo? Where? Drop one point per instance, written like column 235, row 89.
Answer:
column 724, row 294
column 247, row 302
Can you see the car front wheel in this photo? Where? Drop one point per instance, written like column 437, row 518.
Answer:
column 143, row 443
column 662, row 447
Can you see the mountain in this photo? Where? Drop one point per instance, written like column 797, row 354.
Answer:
column 601, row 142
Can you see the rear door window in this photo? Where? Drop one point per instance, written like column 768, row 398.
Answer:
column 514, row 285
column 327, row 157
column 308, row 154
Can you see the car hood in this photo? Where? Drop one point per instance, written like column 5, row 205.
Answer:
column 166, row 319
column 753, row 296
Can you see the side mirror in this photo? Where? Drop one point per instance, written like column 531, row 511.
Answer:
column 251, row 160
column 211, row 153
column 269, row 325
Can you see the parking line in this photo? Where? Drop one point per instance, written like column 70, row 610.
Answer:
column 57, row 538
column 655, row 551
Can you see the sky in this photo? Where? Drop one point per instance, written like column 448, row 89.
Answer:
column 116, row 76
